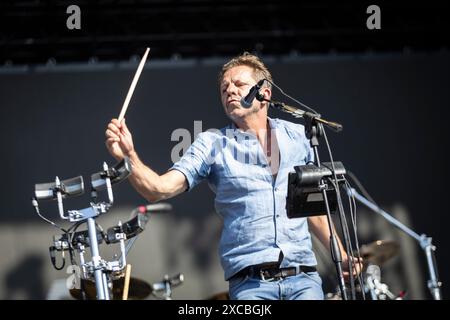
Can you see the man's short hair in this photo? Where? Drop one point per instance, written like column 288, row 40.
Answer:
column 260, row 70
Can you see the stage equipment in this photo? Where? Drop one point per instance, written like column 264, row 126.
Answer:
column 425, row 242
column 313, row 188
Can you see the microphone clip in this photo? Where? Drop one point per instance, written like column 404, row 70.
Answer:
column 247, row 101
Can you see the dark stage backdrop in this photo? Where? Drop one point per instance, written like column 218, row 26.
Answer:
column 394, row 109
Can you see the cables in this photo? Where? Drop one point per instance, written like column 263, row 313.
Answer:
column 361, row 187
column 352, row 206
column 69, row 233
column 293, row 99
column 36, row 209
column 53, row 249
column 344, row 225
column 342, row 219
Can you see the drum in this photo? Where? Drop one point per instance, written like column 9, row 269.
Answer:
column 138, row 289
column 220, row 296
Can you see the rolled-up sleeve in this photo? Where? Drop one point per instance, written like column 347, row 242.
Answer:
column 196, row 163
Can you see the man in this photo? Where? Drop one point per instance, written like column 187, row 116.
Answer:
column 264, row 254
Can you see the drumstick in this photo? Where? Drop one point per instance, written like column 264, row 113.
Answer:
column 133, row 85
column 126, row 284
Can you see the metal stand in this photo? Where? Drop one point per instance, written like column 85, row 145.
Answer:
column 424, row 241
column 166, row 285
column 96, row 267
column 103, row 273
column 313, row 132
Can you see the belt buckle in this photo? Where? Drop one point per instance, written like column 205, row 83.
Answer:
column 270, row 278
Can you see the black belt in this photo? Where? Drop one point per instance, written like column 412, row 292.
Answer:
column 265, row 272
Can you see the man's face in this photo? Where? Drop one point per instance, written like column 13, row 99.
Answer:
column 236, row 83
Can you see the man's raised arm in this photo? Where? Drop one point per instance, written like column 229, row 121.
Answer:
column 148, row 183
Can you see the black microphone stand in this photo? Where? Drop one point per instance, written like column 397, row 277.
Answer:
column 314, row 130
column 424, row 241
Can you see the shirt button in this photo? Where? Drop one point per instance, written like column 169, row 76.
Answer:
column 276, row 189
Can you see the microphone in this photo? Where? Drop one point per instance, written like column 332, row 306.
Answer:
column 247, row 101
column 378, row 290
column 373, row 273
column 166, row 285
column 173, row 282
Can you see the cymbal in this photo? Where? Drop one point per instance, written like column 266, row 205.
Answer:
column 138, row 289
column 378, row 252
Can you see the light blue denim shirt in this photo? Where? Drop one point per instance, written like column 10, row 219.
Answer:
column 252, row 204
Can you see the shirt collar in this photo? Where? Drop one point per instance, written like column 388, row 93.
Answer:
column 237, row 131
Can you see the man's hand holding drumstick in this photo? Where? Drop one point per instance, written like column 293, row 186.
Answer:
column 119, row 140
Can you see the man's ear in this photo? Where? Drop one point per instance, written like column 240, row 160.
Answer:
column 266, row 93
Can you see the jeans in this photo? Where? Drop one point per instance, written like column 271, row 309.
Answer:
column 304, row 286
